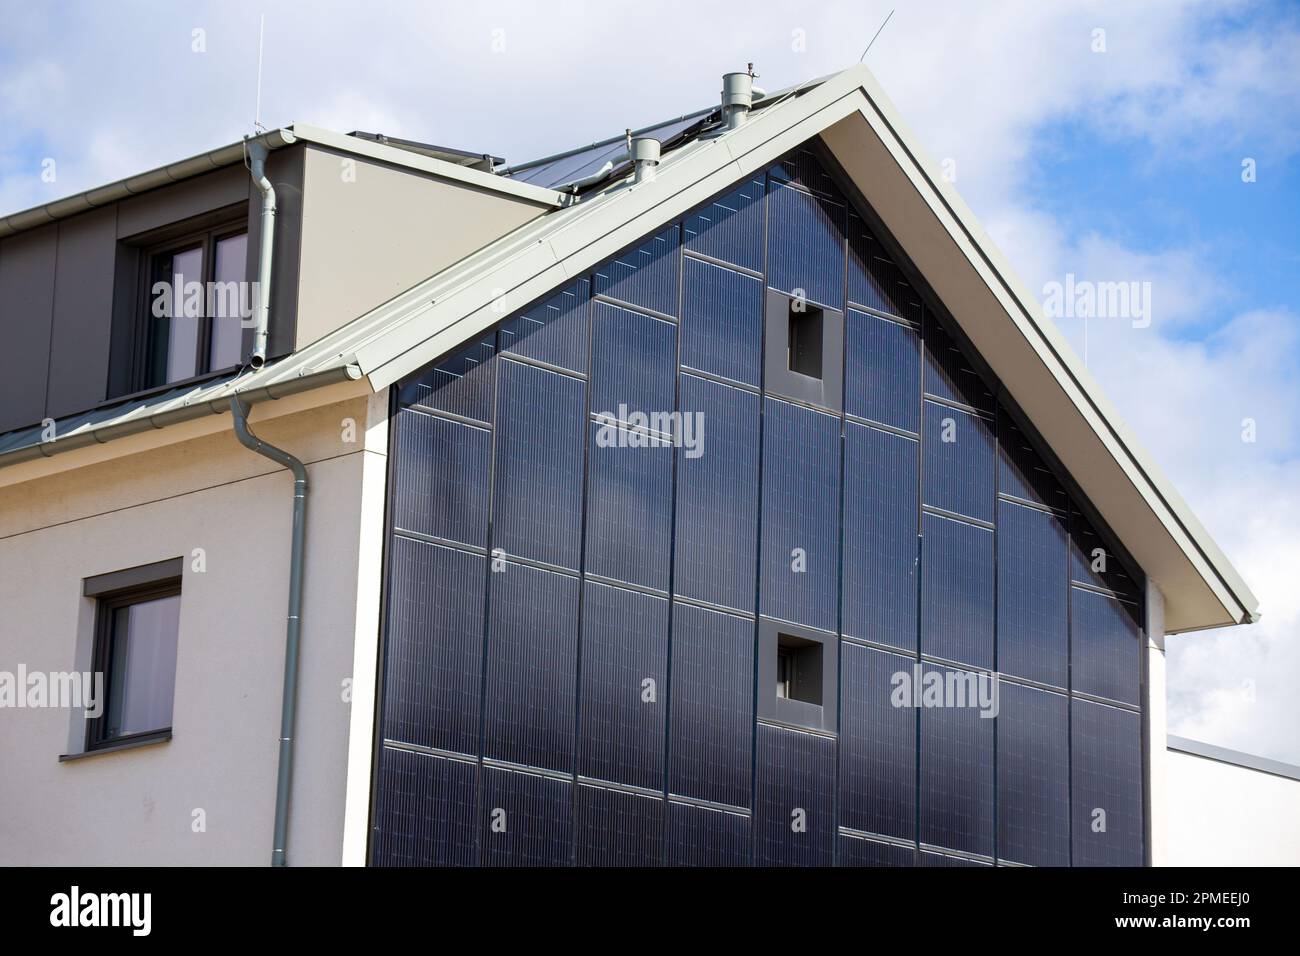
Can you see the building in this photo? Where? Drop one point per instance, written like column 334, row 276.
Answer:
column 712, row 495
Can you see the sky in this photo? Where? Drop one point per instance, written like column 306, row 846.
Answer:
column 1156, row 142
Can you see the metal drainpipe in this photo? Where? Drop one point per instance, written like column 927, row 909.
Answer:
column 257, row 153
column 293, row 625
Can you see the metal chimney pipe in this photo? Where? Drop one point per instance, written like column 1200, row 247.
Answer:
column 737, row 98
column 645, row 159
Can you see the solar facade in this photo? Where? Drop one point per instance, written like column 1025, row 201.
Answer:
column 597, row 506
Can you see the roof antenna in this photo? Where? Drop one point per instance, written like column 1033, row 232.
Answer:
column 257, row 109
column 873, row 39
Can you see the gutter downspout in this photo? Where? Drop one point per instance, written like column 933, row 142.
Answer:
column 293, row 625
column 257, row 153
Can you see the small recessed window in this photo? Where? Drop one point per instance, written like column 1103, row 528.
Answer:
column 196, row 326
column 798, row 669
column 805, row 342
column 136, row 636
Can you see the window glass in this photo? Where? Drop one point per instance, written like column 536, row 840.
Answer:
column 142, row 666
column 226, row 337
column 182, row 336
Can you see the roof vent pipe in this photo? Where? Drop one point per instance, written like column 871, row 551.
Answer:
column 645, row 159
column 257, row 153
column 738, row 95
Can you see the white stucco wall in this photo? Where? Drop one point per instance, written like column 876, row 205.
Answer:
column 138, row 806
column 1221, row 814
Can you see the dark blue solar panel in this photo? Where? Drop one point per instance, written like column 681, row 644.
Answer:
column 527, row 819
column 717, row 496
column 805, row 245
column 877, row 745
column 585, row 162
column 881, row 570
column 801, row 498
column 801, row 167
column 712, row 711
column 854, row 851
column 882, row 373
column 957, row 591
column 794, row 812
column 731, row 227
column 1106, row 646
column 434, row 646
column 958, row 462
column 943, row 859
column 624, row 686
column 1033, row 616
column 1095, row 562
column 531, row 667
column 1106, row 775
column 957, row 781
column 615, row 828
column 634, row 361
column 701, row 836
column 722, row 322
column 1021, row 472
column 646, row 275
column 460, row 384
column 1033, row 776
column 440, row 484
column 554, row 331
column 874, row 280
column 948, row 372
column 537, row 507
column 629, row 506
column 424, row 810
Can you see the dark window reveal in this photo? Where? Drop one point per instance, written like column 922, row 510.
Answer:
column 805, row 356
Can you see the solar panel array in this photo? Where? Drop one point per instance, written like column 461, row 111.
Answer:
column 576, row 581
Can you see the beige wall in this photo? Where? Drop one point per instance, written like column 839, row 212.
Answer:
column 371, row 231
column 136, row 806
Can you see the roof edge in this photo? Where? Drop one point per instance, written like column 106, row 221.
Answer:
column 1172, row 503
column 1235, row 758
column 233, row 153
column 215, row 403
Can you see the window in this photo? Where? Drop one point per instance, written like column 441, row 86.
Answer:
column 798, row 669
column 803, row 355
column 137, row 625
column 805, row 340
column 195, row 299
column 797, row 674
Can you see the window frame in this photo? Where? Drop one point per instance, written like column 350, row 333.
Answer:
column 206, row 239
column 106, row 604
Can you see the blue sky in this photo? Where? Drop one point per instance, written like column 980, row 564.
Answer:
column 1115, row 164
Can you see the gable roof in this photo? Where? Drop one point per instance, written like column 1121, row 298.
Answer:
column 924, row 215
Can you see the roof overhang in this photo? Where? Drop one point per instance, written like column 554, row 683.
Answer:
column 1031, row 357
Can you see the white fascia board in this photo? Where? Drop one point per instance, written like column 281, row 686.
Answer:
column 1239, row 603
column 396, row 156
column 615, row 221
